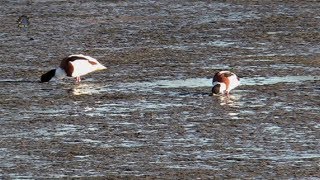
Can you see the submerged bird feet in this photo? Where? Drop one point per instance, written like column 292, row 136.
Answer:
column 78, row 79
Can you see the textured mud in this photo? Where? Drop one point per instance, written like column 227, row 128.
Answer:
column 150, row 114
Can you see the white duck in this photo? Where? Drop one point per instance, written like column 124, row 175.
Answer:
column 73, row 66
column 224, row 81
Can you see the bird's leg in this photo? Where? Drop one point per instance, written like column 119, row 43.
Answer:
column 78, row 79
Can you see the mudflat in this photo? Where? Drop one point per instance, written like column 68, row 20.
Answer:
column 150, row 114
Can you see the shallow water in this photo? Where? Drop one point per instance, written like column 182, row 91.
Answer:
column 151, row 114
column 205, row 82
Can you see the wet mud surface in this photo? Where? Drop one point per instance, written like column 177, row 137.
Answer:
column 150, row 115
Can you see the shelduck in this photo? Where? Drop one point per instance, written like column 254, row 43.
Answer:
column 224, row 81
column 73, row 66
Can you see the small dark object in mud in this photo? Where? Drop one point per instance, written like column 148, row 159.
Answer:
column 23, row 22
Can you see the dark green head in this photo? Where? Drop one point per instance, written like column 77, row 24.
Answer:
column 216, row 89
column 48, row 76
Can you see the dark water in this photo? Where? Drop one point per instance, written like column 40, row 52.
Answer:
column 150, row 113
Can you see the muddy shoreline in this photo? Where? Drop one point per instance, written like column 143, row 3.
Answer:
column 150, row 114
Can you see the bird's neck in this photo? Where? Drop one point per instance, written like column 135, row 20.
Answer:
column 60, row 73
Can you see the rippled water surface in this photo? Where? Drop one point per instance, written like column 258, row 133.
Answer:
column 151, row 114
